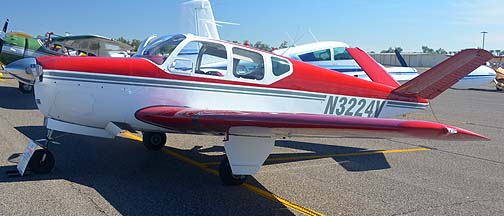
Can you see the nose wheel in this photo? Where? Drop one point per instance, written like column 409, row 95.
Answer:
column 41, row 162
column 154, row 141
column 226, row 174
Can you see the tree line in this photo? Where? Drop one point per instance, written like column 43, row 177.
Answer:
column 426, row 49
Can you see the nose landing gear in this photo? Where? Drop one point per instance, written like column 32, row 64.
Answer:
column 42, row 160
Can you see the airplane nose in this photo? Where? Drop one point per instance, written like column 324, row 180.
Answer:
column 25, row 70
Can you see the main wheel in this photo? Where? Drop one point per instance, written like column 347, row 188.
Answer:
column 42, row 161
column 154, row 141
column 25, row 88
column 226, row 174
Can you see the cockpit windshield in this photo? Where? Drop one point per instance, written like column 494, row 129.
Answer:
column 158, row 49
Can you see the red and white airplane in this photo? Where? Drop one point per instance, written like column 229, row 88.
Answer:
column 178, row 84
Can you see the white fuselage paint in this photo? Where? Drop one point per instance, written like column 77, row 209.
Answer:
column 94, row 100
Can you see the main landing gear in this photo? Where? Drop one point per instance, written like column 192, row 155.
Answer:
column 226, row 174
column 154, row 141
column 25, row 88
column 42, row 160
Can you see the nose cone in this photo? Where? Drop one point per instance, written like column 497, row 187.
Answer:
column 25, row 70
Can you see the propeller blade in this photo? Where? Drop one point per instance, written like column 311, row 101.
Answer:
column 2, row 34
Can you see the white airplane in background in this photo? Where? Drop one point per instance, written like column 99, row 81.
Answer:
column 333, row 55
column 327, row 54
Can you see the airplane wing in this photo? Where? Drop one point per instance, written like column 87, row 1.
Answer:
column 298, row 125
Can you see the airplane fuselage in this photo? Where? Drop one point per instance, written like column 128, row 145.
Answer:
column 187, row 84
column 95, row 98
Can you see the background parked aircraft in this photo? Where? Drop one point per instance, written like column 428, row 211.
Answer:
column 16, row 46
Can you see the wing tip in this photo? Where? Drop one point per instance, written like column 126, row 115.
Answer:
column 465, row 134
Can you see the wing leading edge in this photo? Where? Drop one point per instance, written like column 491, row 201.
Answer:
column 298, row 125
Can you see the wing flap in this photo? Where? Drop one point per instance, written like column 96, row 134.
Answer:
column 289, row 124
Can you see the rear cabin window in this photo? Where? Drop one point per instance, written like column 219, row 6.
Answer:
column 340, row 53
column 279, row 66
column 247, row 64
column 319, row 55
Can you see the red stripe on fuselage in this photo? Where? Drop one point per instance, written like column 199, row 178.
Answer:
column 305, row 77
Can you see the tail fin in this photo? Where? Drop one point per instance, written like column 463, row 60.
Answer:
column 375, row 72
column 400, row 58
column 433, row 82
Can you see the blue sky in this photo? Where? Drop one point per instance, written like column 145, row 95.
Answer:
column 369, row 24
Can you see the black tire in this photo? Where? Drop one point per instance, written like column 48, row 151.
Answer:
column 41, row 162
column 154, row 141
column 25, row 88
column 226, row 174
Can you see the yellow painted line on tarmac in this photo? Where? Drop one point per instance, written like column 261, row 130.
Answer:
column 132, row 136
column 1, row 77
column 250, row 187
column 336, row 155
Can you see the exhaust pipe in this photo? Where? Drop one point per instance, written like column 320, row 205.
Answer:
column 25, row 70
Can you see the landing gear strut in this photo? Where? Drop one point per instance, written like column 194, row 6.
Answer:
column 42, row 160
column 226, row 174
column 25, row 88
column 154, row 141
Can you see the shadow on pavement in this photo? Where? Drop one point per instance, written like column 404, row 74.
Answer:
column 12, row 98
column 136, row 181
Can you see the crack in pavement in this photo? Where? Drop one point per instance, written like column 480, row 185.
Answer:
column 449, row 152
column 444, row 205
column 84, row 194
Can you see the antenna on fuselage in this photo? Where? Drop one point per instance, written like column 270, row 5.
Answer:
column 313, row 36
column 292, row 40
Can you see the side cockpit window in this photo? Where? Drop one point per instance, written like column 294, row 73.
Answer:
column 280, row 66
column 247, row 64
column 158, row 49
column 340, row 53
column 203, row 58
column 320, row 55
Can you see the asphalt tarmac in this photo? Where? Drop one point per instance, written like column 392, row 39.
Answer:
column 95, row 176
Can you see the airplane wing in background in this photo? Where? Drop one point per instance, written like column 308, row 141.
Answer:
column 95, row 44
column 298, row 125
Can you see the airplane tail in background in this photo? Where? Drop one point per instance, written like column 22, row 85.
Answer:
column 196, row 17
column 400, row 58
column 434, row 81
